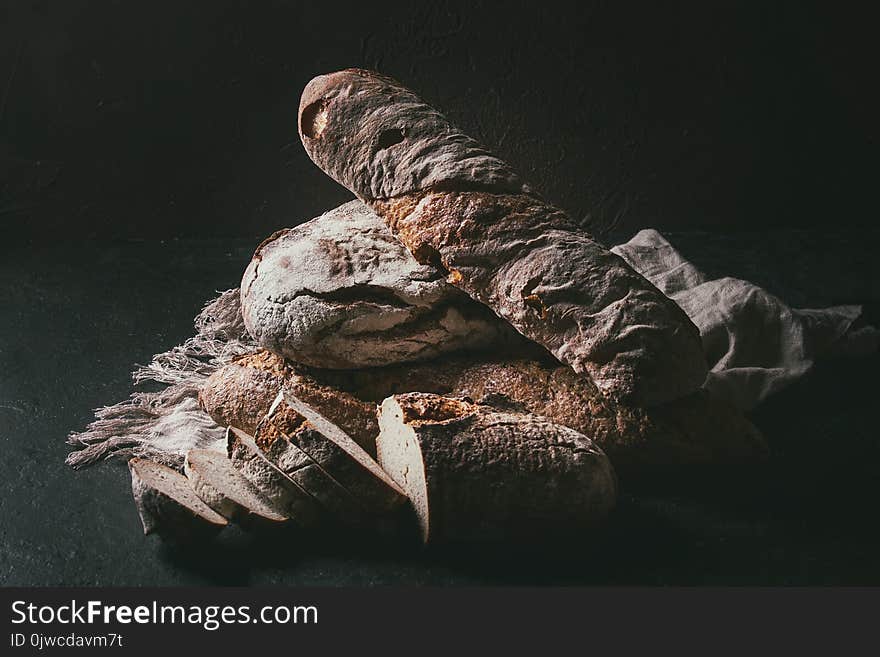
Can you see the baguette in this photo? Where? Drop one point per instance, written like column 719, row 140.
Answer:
column 474, row 473
column 455, row 206
column 222, row 487
column 168, row 506
column 340, row 291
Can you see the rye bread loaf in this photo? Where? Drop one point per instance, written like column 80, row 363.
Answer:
column 340, row 291
column 281, row 491
column 457, row 207
column 696, row 429
column 240, row 393
column 341, row 457
column 222, row 487
column 473, row 472
column 168, row 506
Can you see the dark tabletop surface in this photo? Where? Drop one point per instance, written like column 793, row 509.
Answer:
column 76, row 317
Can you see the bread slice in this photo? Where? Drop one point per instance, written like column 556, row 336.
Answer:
column 280, row 490
column 341, row 457
column 226, row 490
column 168, row 506
column 473, row 472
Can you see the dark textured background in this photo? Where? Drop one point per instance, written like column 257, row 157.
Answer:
column 164, row 119
column 159, row 120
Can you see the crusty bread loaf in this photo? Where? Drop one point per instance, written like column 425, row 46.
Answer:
column 457, row 207
column 340, row 291
column 168, row 506
column 697, row 429
column 222, row 487
column 474, row 472
column 241, row 393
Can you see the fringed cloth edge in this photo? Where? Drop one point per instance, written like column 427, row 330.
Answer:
column 163, row 425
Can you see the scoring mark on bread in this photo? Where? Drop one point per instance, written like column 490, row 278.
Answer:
column 313, row 119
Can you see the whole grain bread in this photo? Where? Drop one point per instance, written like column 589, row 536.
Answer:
column 474, row 472
column 340, row 291
column 457, row 207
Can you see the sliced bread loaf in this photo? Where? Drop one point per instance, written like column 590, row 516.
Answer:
column 168, row 506
column 473, row 472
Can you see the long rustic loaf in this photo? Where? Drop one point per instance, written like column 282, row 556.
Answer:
column 222, row 487
column 340, row 291
column 697, row 429
column 168, row 506
column 457, row 207
column 474, row 472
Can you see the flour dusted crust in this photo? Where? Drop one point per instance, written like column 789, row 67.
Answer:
column 474, row 472
column 457, row 207
column 340, row 291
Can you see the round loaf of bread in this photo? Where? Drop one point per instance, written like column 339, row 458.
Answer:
column 340, row 292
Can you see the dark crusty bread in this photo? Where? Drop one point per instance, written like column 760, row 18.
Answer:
column 474, row 472
column 340, row 291
column 168, row 506
column 222, row 487
column 281, row 491
column 455, row 206
column 343, row 458
column 241, row 393
column 697, row 429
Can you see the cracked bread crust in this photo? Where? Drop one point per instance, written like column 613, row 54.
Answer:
column 340, row 291
column 457, row 207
